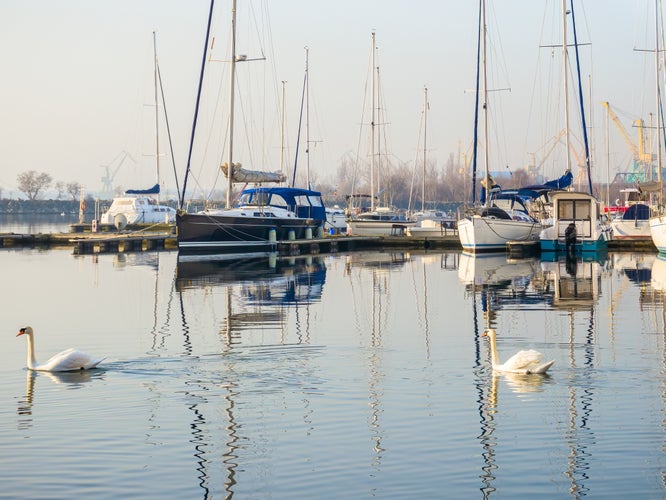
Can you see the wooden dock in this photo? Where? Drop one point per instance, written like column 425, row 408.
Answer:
column 119, row 242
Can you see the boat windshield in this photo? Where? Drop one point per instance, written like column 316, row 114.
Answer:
column 316, row 201
column 254, row 198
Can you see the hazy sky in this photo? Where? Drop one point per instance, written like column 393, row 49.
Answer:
column 76, row 86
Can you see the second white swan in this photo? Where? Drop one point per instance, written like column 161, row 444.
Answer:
column 524, row 362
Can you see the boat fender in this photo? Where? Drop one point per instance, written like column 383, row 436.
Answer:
column 120, row 221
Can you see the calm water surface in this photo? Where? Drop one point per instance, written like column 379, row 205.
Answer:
column 342, row 376
column 33, row 224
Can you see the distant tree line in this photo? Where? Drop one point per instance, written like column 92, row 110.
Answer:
column 400, row 185
column 33, row 184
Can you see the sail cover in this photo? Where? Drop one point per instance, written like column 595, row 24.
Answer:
column 253, row 176
column 153, row 190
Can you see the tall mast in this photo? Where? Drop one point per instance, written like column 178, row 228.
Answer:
column 282, row 128
column 378, row 144
column 565, row 70
column 307, row 119
column 485, row 101
column 157, row 121
column 425, row 142
column 372, row 130
column 658, row 97
column 232, row 77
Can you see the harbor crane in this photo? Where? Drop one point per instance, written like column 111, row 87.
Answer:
column 642, row 159
column 107, row 179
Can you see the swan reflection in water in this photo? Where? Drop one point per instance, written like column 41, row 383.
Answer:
column 488, row 385
column 71, row 380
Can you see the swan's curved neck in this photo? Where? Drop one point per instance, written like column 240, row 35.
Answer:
column 32, row 362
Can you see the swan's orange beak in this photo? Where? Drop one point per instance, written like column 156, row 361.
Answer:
column 485, row 333
column 21, row 332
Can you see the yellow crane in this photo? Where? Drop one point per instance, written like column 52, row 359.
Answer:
column 642, row 158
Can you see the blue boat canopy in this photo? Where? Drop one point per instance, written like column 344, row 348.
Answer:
column 305, row 203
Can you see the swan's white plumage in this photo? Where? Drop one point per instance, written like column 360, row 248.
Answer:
column 524, row 362
column 65, row 361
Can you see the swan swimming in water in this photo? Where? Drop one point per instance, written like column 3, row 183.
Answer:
column 524, row 362
column 65, row 361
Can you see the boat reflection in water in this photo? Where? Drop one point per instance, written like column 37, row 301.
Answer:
column 637, row 266
column 377, row 260
column 257, row 289
column 658, row 273
column 267, row 280
column 494, row 269
column 572, row 283
column 259, row 295
column 499, row 281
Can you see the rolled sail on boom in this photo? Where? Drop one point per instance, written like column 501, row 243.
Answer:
column 252, row 176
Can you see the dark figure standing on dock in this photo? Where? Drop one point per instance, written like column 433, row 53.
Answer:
column 570, row 239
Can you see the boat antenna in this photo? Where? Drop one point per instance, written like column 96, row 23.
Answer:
column 196, row 108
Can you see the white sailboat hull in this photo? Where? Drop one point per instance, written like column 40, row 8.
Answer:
column 377, row 227
column 631, row 229
column 138, row 210
column 658, row 232
column 488, row 234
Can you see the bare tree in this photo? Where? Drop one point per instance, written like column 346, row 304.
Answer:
column 32, row 183
column 74, row 189
column 60, row 188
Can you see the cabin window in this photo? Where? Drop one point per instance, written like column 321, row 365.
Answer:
column 574, row 210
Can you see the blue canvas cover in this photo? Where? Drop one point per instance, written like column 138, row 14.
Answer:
column 637, row 212
column 153, row 190
column 305, row 203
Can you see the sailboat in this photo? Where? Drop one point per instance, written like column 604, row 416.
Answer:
column 263, row 215
column 378, row 220
column 489, row 227
column 630, row 215
column 142, row 206
column 429, row 222
column 658, row 222
column 577, row 223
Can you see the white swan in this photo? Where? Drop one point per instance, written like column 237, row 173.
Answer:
column 65, row 361
column 524, row 362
